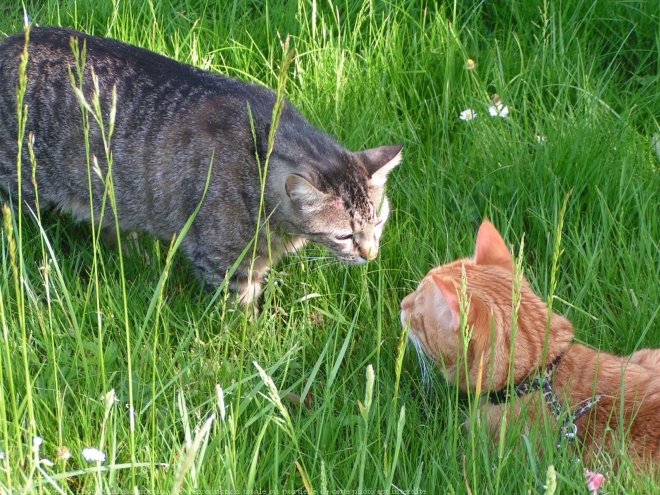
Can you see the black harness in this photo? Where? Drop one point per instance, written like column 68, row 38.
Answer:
column 568, row 430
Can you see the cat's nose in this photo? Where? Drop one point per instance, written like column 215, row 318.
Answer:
column 368, row 251
column 406, row 306
column 404, row 318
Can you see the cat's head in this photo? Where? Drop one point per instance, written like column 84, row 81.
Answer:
column 433, row 316
column 341, row 205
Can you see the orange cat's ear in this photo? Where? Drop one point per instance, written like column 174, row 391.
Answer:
column 451, row 313
column 491, row 249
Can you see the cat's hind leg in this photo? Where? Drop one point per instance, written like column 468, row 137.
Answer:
column 28, row 203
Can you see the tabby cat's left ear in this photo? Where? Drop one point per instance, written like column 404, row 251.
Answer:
column 301, row 191
column 381, row 161
column 491, row 248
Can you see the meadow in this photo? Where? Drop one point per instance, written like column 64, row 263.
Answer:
column 183, row 393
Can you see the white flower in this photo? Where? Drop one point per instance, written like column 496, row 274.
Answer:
column 498, row 110
column 36, row 444
column 540, row 138
column 468, row 114
column 93, row 455
column 47, row 462
column 2, row 455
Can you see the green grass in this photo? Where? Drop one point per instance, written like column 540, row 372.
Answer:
column 584, row 75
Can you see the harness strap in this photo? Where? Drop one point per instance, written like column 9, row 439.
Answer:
column 529, row 385
column 568, row 429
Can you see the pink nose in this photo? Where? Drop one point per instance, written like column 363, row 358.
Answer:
column 407, row 301
column 368, row 253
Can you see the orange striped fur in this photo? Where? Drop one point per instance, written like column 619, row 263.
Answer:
column 630, row 386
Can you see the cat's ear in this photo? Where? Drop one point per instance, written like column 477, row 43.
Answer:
column 301, row 191
column 379, row 162
column 491, row 248
column 448, row 308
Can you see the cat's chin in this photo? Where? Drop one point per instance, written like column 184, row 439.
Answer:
column 350, row 260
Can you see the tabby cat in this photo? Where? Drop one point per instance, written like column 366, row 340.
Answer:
column 172, row 121
column 604, row 394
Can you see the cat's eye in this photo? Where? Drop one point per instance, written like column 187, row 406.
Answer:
column 345, row 237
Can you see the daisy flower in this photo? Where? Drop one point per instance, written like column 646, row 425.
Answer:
column 498, row 109
column 36, row 444
column 467, row 115
column 91, row 454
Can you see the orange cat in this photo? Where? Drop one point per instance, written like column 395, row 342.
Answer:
column 583, row 387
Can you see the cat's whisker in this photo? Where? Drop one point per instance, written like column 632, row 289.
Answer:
column 329, row 263
column 423, row 365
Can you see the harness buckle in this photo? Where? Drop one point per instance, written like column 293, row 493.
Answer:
column 571, row 431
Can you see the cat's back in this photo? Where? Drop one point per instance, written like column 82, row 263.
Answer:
column 132, row 69
column 633, row 377
column 155, row 94
column 52, row 46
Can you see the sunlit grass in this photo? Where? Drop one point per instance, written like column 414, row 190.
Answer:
column 202, row 390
